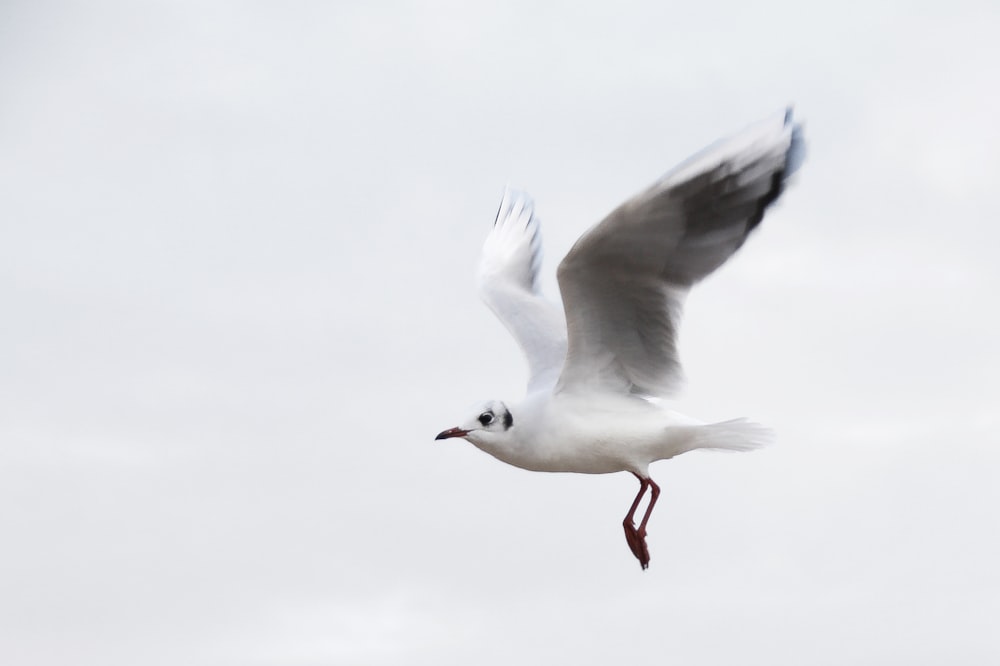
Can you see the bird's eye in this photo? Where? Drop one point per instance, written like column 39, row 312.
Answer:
column 486, row 418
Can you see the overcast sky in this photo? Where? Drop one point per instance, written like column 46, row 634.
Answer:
column 237, row 253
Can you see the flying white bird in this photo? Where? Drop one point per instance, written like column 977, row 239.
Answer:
column 596, row 376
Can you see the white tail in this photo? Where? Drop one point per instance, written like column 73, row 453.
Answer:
column 734, row 435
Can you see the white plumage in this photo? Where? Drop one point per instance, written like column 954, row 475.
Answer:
column 598, row 366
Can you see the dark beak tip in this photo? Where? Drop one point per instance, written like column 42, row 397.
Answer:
column 452, row 432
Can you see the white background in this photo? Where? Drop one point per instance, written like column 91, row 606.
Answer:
column 237, row 253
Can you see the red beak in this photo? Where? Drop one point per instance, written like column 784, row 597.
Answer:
column 452, row 432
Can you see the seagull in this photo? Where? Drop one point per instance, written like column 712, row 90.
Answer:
column 600, row 368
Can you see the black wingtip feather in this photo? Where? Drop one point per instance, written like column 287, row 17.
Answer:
column 794, row 157
column 503, row 199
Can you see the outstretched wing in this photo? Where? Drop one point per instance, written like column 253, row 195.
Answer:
column 508, row 283
column 624, row 281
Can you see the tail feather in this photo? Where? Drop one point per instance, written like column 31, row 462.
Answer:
column 734, row 435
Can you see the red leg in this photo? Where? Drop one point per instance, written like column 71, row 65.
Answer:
column 637, row 538
column 643, row 484
column 635, row 543
column 649, row 509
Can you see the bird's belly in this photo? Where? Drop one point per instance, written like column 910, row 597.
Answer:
column 582, row 454
column 579, row 463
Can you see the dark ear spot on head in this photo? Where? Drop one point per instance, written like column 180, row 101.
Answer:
column 508, row 420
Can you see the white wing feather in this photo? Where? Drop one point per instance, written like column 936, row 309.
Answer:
column 508, row 283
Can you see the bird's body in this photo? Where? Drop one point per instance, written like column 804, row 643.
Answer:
column 568, row 432
column 600, row 367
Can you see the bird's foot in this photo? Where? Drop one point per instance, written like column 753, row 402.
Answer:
column 637, row 543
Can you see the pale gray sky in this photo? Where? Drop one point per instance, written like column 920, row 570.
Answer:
column 237, row 249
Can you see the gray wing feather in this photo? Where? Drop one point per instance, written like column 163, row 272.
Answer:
column 624, row 282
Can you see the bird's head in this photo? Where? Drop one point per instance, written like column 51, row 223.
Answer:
column 489, row 422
